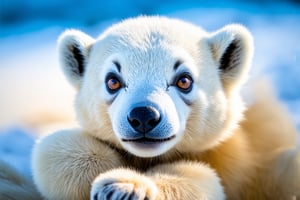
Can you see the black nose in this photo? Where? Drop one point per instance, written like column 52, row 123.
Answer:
column 143, row 119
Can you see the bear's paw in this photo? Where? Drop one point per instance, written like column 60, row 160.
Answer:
column 123, row 184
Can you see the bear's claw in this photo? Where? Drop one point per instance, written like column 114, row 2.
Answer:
column 119, row 191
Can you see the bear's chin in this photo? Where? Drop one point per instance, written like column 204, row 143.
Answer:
column 147, row 148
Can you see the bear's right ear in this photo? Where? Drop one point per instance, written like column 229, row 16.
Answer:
column 74, row 47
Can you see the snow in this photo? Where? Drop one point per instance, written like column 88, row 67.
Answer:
column 15, row 148
column 28, row 57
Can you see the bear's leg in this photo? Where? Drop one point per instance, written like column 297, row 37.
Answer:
column 66, row 163
column 287, row 173
column 181, row 180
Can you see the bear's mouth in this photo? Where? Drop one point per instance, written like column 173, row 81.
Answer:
column 147, row 140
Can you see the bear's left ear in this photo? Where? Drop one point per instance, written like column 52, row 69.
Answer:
column 74, row 47
column 232, row 50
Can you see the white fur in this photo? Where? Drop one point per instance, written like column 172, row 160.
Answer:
column 147, row 57
column 195, row 127
column 147, row 49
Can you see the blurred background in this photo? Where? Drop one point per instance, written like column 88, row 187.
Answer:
column 33, row 90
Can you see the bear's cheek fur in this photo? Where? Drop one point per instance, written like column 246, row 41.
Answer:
column 92, row 114
column 206, row 123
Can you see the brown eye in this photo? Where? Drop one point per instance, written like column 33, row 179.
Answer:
column 184, row 83
column 113, row 84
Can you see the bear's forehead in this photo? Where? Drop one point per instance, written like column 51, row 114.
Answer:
column 150, row 39
column 148, row 45
column 152, row 32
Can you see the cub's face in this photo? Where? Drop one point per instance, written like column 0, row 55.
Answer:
column 148, row 92
column 155, row 85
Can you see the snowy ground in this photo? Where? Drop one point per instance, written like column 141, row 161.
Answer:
column 28, row 65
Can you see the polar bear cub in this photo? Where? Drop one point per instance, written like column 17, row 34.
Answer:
column 161, row 118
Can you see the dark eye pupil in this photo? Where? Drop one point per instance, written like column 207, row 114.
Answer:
column 184, row 80
column 114, row 81
column 113, row 84
column 184, row 83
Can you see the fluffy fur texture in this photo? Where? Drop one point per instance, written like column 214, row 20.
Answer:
column 161, row 118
